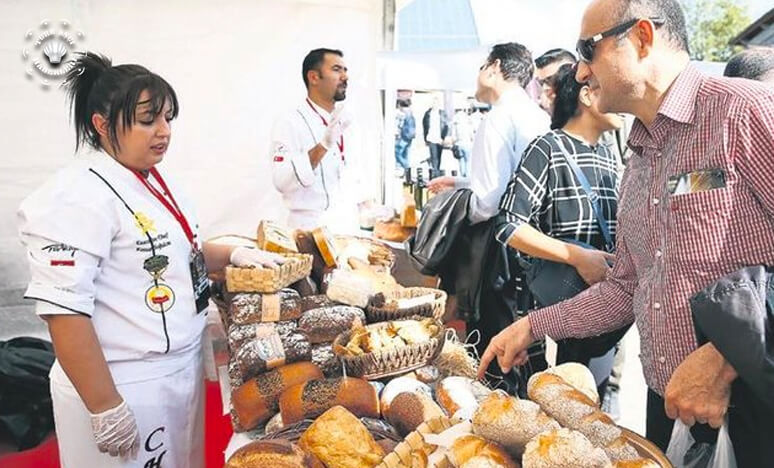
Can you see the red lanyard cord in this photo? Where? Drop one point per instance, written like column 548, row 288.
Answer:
column 340, row 143
column 173, row 208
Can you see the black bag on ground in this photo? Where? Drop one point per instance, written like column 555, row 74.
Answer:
column 442, row 219
column 26, row 415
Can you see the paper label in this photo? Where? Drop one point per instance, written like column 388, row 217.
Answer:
column 270, row 308
column 269, row 345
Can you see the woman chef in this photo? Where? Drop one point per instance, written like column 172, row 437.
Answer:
column 120, row 275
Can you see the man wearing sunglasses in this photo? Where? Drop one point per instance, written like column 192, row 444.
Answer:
column 697, row 202
column 546, row 67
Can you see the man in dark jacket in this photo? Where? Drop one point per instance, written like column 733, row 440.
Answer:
column 736, row 315
column 435, row 125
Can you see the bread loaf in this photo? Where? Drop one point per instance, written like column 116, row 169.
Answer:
column 510, row 422
column 306, row 245
column 241, row 334
column 275, row 238
column 322, row 325
column 257, row 400
column 460, row 393
column 579, row 376
column 324, row 242
column 340, row 440
column 272, row 454
column 472, row 451
column 574, row 410
column 560, row 448
column 409, row 409
column 312, row 398
column 269, row 349
column 349, row 288
column 248, row 308
column 399, row 385
column 326, row 360
column 315, row 302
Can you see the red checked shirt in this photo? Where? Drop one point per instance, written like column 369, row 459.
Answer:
column 670, row 246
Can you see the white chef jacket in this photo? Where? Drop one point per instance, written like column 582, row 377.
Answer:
column 502, row 136
column 87, row 256
column 326, row 195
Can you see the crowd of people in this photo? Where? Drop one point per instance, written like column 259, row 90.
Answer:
column 559, row 241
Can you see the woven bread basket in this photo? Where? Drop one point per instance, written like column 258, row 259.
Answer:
column 400, row 457
column 380, row 309
column 269, row 280
column 390, row 362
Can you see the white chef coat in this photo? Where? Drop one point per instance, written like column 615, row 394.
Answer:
column 87, row 255
column 502, row 136
column 326, row 195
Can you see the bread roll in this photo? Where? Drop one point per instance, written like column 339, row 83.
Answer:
column 460, row 393
column 257, row 399
column 312, row 398
column 579, row 376
column 472, row 451
column 272, row 454
column 340, row 440
column 574, row 410
column 247, row 308
column 271, row 349
column 510, row 422
column 561, row 448
column 324, row 324
column 399, row 385
column 408, row 410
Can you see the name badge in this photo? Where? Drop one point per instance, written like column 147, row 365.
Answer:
column 201, row 284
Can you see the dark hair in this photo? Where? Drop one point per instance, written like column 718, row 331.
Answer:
column 314, row 60
column 94, row 85
column 553, row 56
column 669, row 10
column 567, row 91
column 515, row 62
column 753, row 64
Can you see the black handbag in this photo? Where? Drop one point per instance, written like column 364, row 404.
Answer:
column 552, row 282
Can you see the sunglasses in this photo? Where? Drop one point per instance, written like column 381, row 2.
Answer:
column 585, row 47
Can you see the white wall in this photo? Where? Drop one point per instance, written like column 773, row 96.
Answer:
column 234, row 65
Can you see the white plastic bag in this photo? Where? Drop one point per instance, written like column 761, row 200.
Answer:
column 683, row 451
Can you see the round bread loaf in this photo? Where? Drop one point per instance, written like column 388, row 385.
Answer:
column 472, row 451
column 560, row 448
column 460, row 394
column 272, row 454
column 410, row 409
column 399, row 385
column 579, row 376
column 510, row 422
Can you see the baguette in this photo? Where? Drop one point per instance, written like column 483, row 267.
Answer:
column 574, row 410
column 256, row 400
column 313, row 398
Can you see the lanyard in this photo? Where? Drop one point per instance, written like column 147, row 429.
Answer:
column 340, row 143
column 175, row 210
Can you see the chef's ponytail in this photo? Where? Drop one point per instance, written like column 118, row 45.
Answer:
column 94, row 85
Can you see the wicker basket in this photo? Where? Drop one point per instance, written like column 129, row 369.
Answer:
column 294, row 432
column 400, row 457
column 646, row 448
column 379, row 310
column 269, row 280
column 380, row 256
column 391, row 362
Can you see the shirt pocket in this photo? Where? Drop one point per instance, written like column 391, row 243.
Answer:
column 698, row 225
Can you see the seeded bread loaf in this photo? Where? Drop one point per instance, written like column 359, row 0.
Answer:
column 271, row 349
column 248, row 308
column 324, row 324
column 312, row 398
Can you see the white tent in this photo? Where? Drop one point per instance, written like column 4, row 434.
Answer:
column 235, row 65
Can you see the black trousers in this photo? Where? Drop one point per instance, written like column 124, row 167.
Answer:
column 435, row 156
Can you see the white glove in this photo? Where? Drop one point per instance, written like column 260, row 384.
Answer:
column 340, row 120
column 116, row 433
column 251, row 257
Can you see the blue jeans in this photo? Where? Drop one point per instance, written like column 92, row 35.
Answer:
column 401, row 153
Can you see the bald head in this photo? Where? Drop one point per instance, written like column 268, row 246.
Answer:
column 673, row 29
column 753, row 64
